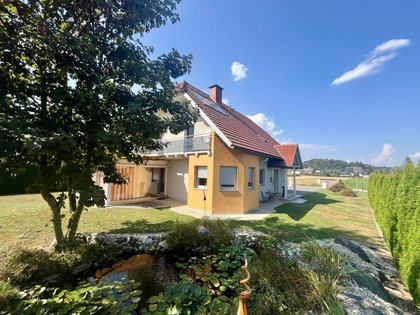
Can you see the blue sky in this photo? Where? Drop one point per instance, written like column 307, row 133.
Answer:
column 341, row 78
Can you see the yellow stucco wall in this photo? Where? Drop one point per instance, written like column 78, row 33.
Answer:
column 242, row 199
column 195, row 195
column 218, row 201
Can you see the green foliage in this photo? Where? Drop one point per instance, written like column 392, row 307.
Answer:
column 348, row 192
column 9, row 295
column 279, row 286
column 181, row 298
column 104, row 298
column 18, row 182
column 326, row 273
column 79, row 91
column 395, row 200
column 185, row 238
column 337, row 187
column 27, row 267
column 218, row 273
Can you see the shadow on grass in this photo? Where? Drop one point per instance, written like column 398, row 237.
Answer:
column 297, row 211
column 297, row 232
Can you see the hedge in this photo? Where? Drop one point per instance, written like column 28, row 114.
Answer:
column 395, row 200
column 16, row 184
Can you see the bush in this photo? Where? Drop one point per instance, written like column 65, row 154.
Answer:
column 395, row 202
column 348, row 192
column 28, row 267
column 337, row 187
column 326, row 274
column 186, row 239
column 9, row 295
column 279, row 286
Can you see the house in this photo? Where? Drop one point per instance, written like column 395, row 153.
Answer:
column 224, row 163
column 354, row 170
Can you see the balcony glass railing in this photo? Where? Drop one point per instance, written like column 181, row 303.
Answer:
column 189, row 144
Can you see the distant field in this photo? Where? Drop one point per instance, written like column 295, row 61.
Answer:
column 312, row 180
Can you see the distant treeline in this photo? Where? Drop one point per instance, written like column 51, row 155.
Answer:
column 331, row 165
column 395, row 200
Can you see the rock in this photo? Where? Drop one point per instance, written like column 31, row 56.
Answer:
column 163, row 244
column 148, row 241
column 353, row 247
column 203, row 230
column 81, row 268
column 372, row 283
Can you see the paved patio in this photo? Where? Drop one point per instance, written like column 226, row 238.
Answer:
column 260, row 213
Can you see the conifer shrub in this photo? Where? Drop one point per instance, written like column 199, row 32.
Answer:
column 395, row 200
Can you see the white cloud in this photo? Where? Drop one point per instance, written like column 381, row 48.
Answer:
column 225, row 101
column 238, row 71
column 415, row 156
column 385, row 155
column 267, row 123
column 375, row 61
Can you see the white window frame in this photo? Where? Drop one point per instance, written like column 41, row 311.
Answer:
column 262, row 178
column 231, row 184
column 201, row 169
column 251, row 178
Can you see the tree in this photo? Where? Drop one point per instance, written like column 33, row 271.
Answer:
column 79, row 91
column 408, row 162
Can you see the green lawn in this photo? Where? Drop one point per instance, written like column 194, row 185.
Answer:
column 324, row 215
column 362, row 183
column 25, row 220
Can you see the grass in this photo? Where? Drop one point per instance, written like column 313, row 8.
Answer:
column 324, row 215
column 25, row 220
column 362, row 183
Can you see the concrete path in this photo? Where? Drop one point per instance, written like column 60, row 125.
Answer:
column 260, row 213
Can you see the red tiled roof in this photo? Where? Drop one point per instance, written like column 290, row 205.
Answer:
column 241, row 131
column 288, row 152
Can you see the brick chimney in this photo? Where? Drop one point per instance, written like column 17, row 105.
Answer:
column 216, row 93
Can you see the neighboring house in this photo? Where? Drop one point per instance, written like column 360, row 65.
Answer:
column 224, row 163
column 354, row 170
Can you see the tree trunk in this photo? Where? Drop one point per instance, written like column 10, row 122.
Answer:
column 74, row 219
column 56, row 216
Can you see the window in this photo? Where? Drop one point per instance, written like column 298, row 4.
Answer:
column 262, row 177
column 227, row 178
column 251, row 171
column 201, row 177
column 155, row 174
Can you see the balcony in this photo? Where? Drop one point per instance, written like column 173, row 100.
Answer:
column 185, row 145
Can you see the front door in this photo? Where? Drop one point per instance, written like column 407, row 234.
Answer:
column 162, row 181
column 276, row 181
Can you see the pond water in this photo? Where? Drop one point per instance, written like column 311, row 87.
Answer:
column 152, row 272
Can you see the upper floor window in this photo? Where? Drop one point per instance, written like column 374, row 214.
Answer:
column 228, row 178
